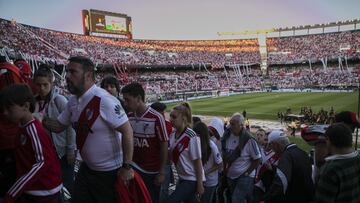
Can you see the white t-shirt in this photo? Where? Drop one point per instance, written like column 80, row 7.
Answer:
column 250, row 152
column 102, row 149
column 212, row 178
column 185, row 165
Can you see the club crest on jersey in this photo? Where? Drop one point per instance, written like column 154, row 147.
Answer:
column 23, row 139
column 146, row 125
column 89, row 113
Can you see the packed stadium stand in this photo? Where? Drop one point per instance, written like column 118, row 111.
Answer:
column 296, row 49
column 169, row 68
column 131, row 52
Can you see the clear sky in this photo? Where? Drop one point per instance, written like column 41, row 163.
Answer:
column 183, row 19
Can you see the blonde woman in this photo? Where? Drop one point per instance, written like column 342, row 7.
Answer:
column 185, row 153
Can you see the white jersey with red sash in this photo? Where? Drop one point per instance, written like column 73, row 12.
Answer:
column 269, row 159
column 184, row 150
column 95, row 116
column 149, row 131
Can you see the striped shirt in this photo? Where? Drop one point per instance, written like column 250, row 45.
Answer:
column 37, row 165
column 149, row 131
column 339, row 179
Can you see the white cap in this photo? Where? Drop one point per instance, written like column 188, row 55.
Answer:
column 276, row 134
column 218, row 125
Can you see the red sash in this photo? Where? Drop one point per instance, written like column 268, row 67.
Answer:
column 134, row 192
column 86, row 120
column 263, row 168
column 180, row 147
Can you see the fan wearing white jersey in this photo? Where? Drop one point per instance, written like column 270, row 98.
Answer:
column 185, row 151
column 99, row 120
column 211, row 159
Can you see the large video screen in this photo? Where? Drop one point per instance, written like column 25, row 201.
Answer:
column 103, row 22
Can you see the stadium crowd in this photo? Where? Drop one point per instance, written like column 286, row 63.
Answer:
column 317, row 76
column 221, row 162
column 54, row 45
column 139, row 52
column 125, row 143
column 297, row 49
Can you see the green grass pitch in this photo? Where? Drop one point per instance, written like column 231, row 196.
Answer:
column 266, row 105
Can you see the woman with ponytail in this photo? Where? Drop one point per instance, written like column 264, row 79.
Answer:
column 211, row 160
column 185, row 153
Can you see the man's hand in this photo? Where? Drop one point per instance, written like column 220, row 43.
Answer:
column 160, row 178
column 126, row 174
column 53, row 125
column 199, row 191
column 70, row 159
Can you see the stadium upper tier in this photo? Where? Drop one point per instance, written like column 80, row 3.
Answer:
column 48, row 43
column 57, row 46
column 296, row 49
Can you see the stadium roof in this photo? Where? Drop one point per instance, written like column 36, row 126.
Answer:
column 293, row 28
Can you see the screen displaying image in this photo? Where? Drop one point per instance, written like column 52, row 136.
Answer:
column 114, row 23
column 103, row 22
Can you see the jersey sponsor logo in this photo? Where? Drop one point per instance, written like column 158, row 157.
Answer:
column 140, row 142
column 23, row 139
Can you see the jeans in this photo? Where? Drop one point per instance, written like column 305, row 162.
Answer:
column 164, row 190
column 184, row 192
column 149, row 180
column 67, row 174
column 208, row 194
column 241, row 188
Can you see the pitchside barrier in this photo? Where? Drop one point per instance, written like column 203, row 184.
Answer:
column 231, row 93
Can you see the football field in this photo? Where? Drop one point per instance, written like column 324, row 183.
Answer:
column 266, row 105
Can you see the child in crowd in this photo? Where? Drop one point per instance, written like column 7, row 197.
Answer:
column 37, row 165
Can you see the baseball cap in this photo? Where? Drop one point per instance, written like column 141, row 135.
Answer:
column 348, row 117
column 276, row 134
column 314, row 134
column 9, row 74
